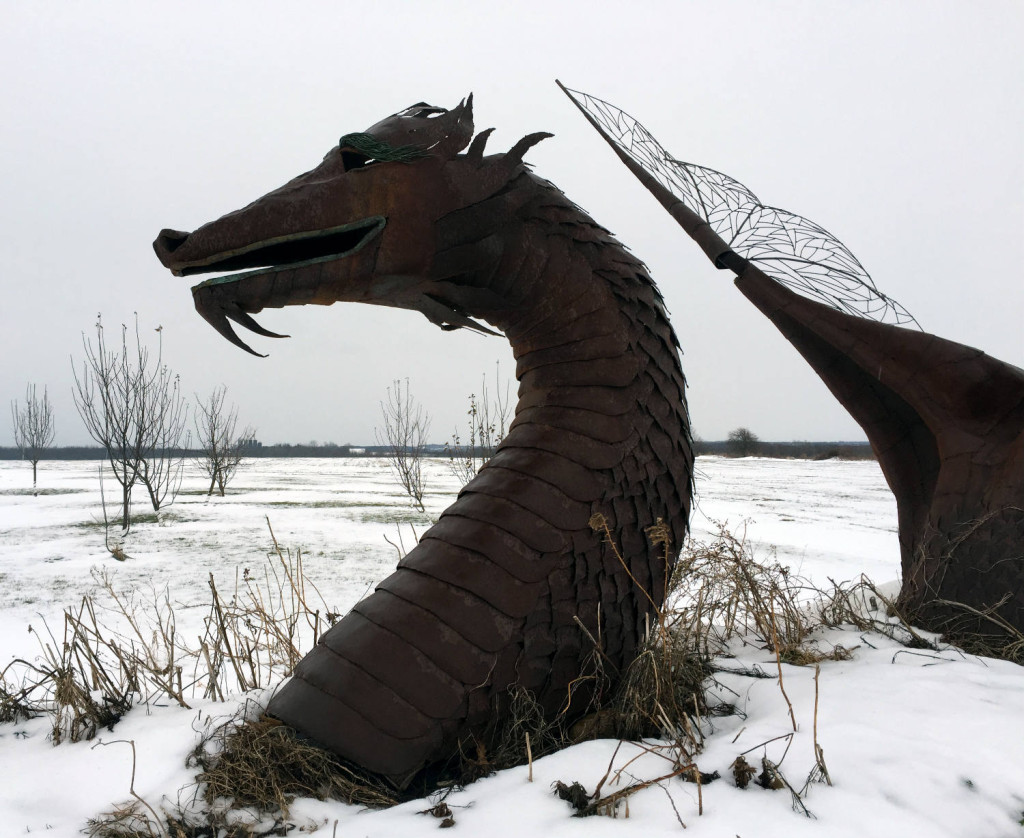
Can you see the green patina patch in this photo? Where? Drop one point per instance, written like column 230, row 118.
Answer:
column 379, row 150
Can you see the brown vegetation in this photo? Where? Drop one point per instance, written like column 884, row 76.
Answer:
column 720, row 591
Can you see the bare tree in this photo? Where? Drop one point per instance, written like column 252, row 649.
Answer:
column 33, row 426
column 164, row 459
column 742, row 442
column 131, row 405
column 404, row 434
column 487, row 425
column 221, row 449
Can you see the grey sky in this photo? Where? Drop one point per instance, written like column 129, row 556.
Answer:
column 899, row 126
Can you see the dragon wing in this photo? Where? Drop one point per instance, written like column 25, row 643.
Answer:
column 791, row 249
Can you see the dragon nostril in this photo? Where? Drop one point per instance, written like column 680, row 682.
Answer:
column 170, row 240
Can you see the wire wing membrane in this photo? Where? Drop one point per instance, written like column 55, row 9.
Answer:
column 791, row 249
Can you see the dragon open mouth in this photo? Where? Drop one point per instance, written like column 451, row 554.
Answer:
column 293, row 250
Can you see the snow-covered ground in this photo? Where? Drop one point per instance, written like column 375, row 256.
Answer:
column 916, row 743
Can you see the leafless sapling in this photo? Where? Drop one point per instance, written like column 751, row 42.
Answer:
column 220, row 448
column 404, row 436
column 488, row 418
column 33, row 426
column 164, row 459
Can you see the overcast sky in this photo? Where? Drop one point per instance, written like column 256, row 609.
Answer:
column 899, row 126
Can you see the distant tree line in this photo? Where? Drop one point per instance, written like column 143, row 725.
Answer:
column 90, row 452
column 782, row 450
column 798, row 450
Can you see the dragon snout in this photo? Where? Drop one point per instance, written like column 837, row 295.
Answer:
column 166, row 243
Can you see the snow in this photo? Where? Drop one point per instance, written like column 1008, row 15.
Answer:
column 916, row 742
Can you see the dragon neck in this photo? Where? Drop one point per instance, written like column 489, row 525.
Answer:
column 602, row 412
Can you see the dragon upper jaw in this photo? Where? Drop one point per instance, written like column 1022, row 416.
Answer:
column 290, row 250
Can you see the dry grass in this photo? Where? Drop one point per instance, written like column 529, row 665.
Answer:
column 719, row 592
column 261, row 763
column 126, row 820
column 983, row 632
column 119, row 648
column 251, row 768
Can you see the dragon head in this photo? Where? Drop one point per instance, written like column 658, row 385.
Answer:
column 360, row 227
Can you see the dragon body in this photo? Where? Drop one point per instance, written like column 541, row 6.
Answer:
column 550, row 550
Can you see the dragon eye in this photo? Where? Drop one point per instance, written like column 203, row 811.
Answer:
column 359, row 151
column 352, row 159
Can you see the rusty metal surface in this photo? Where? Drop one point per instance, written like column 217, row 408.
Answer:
column 491, row 595
column 947, row 424
column 945, row 420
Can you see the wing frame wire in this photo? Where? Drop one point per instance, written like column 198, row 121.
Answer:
column 795, row 251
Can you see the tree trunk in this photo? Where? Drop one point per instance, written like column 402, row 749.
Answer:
column 126, row 506
column 154, row 499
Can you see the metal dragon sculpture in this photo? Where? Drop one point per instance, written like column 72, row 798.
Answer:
column 513, row 585
column 945, row 420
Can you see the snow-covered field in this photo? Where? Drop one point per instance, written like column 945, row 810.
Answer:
column 917, row 743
